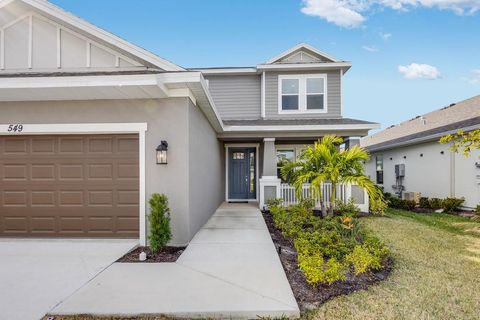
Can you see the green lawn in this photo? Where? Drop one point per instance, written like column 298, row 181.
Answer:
column 436, row 273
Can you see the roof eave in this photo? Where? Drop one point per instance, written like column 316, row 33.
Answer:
column 432, row 137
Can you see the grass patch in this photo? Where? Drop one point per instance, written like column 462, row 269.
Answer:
column 447, row 222
column 436, row 273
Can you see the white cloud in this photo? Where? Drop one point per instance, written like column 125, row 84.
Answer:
column 385, row 36
column 419, row 71
column 351, row 13
column 343, row 13
column 475, row 77
column 370, row 48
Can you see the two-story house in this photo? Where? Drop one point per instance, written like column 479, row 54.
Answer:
column 91, row 125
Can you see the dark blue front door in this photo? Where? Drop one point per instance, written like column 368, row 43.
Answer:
column 241, row 173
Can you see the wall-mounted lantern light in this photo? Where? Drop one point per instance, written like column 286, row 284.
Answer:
column 162, row 152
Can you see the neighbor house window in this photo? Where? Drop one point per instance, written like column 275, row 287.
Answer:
column 284, row 156
column 379, row 169
column 302, row 93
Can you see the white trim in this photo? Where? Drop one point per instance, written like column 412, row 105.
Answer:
column 246, row 70
column 70, row 19
column 304, row 66
column 263, row 95
column 302, row 93
column 302, row 127
column 98, row 128
column 268, row 139
column 257, row 172
column 59, row 48
column 341, row 91
column 2, row 50
column 299, row 47
column 89, row 54
column 30, row 41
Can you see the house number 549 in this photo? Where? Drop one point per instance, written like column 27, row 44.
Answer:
column 15, row 128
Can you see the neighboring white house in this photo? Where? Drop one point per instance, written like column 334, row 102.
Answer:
column 408, row 157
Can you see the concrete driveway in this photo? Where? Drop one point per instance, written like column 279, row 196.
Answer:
column 36, row 275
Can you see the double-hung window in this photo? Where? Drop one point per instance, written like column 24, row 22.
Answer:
column 302, row 93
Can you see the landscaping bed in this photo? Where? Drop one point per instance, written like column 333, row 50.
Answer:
column 166, row 254
column 311, row 295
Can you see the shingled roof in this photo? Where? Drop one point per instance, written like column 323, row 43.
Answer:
column 453, row 117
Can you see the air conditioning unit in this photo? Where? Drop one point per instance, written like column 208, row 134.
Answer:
column 399, row 170
column 415, row 196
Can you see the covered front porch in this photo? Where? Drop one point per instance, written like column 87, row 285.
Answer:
column 252, row 173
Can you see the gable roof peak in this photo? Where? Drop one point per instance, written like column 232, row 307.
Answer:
column 51, row 10
column 314, row 55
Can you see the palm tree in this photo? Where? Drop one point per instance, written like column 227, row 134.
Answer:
column 325, row 162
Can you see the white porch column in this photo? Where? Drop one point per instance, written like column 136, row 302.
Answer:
column 269, row 182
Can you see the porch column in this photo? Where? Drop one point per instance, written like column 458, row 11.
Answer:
column 269, row 182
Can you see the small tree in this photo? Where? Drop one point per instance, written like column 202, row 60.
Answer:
column 324, row 162
column 160, row 233
column 463, row 140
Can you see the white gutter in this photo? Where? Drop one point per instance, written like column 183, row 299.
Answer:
column 302, row 127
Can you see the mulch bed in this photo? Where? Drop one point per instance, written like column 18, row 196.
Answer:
column 167, row 254
column 309, row 297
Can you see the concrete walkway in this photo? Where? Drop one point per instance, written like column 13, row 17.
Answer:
column 229, row 270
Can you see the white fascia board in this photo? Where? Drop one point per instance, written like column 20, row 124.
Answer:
column 213, row 71
column 195, row 79
column 108, row 37
column 304, row 66
column 298, row 47
column 302, row 127
column 77, row 81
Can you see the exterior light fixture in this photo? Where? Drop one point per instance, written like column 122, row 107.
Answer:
column 162, row 152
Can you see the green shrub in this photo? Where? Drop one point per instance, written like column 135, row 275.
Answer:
column 450, row 205
column 307, row 203
column 346, row 208
column 329, row 244
column 160, row 233
column 377, row 208
column 424, row 203
column 363, row 260
column 410, row 204
column 435, row 203
column 273, row 203
column 477, row 210
column 317, row 271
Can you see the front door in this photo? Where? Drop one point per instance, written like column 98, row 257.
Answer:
column 241, row 173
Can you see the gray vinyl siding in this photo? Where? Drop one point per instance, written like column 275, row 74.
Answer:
column 236, row 96
column 333, row 96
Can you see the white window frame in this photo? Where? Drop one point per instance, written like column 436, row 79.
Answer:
column 302, row 93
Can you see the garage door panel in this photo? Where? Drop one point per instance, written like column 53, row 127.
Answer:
column 69, row 186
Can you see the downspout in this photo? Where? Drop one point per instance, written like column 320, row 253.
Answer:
column 452, row 174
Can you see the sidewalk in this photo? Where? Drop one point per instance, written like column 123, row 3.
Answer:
column 229, row 270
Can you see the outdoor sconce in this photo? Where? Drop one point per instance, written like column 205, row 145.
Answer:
column 162, row 152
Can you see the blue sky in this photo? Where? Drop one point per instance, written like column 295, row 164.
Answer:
column 377, row 36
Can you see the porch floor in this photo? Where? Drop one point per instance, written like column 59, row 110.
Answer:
column 230, row 269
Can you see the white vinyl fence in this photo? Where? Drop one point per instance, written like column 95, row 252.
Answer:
column 344, row 193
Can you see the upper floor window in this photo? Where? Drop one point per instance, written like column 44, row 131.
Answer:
column 302, row 93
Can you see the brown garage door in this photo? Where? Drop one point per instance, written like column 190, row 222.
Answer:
column 69, row 186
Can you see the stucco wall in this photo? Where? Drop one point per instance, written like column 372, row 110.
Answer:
column 167, row 120
column 205, row 171
column 432, row 174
